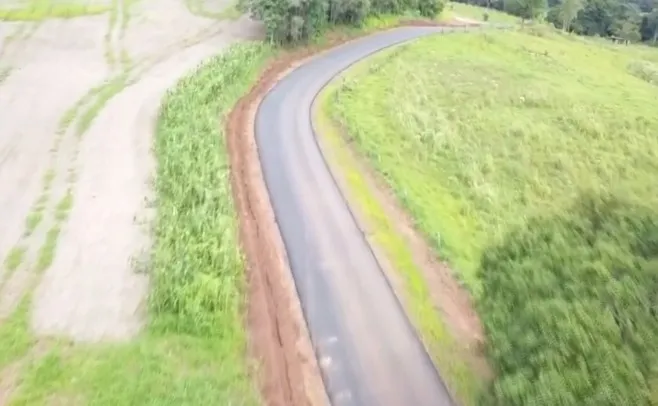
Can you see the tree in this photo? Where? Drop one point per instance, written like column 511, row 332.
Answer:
column 526, row 9
column 649, row 27
column 569, row 11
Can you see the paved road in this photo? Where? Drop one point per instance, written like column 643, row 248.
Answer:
column 369, row 353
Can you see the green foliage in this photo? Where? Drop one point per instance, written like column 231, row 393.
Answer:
column 527, row 9
column 569, row 11
column 475, row 133
column 430, row 8
column 569, row 306
column 289, row 21
column 644, row 70
column 197, row 265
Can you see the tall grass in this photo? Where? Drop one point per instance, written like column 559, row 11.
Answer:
column 198, row 268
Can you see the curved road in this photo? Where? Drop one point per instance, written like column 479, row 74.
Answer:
column 368, row 351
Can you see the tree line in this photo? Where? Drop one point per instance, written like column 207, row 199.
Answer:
column 289, row 21
column 632, row 20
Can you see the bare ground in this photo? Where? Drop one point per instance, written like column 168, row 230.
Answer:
column 75, row 157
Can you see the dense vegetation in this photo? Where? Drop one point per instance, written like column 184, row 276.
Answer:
column 570, row 307
column 489, row 141
column 292, row 21
column 633, row 20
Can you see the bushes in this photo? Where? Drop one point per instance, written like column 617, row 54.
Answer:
column 569, row 306
column 289, row 21
column 644, row 70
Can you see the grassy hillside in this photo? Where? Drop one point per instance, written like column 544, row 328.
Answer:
column 529, row 160
column 474, row 132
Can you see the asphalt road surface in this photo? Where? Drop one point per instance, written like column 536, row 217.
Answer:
column 369, row 353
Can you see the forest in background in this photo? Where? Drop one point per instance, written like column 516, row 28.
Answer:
column 632, row 20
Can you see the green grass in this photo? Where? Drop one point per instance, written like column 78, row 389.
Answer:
column 47, row 251
column 472, row 12
column 14, row 258
column 15, row 335
column 193, row 351
column 38, row 10
column 446, row 353
column 33, row 220
column 64, row 206
column 475, row 132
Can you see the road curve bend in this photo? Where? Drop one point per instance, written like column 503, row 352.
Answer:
column 368, row 352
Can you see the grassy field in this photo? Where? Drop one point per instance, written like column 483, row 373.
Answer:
column 194, row 349
column 485, row 134
column 487, row 129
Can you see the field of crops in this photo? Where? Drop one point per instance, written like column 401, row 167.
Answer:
column 529, row 160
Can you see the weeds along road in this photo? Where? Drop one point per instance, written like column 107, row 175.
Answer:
column 78, row 103
column 368, row 351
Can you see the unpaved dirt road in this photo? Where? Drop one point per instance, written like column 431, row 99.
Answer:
column 78, row 104
column 367, row 350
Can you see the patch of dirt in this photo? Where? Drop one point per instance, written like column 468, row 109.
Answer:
column 278, row 332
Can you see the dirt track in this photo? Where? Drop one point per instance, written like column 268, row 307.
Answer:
column 77, row 112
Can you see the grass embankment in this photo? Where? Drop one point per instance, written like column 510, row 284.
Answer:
column 193, row 351
column 37, row 10
column 480, row 136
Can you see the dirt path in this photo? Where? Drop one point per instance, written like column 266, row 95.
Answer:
column 77, row 112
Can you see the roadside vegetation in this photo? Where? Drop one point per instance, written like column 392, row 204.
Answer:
column 528, row 159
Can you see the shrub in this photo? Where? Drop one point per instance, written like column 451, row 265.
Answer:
column 289, row 21
column 645, row 71
column 430, row 8
column 569, row 306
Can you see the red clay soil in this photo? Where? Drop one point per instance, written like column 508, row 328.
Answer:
column 279, row 340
